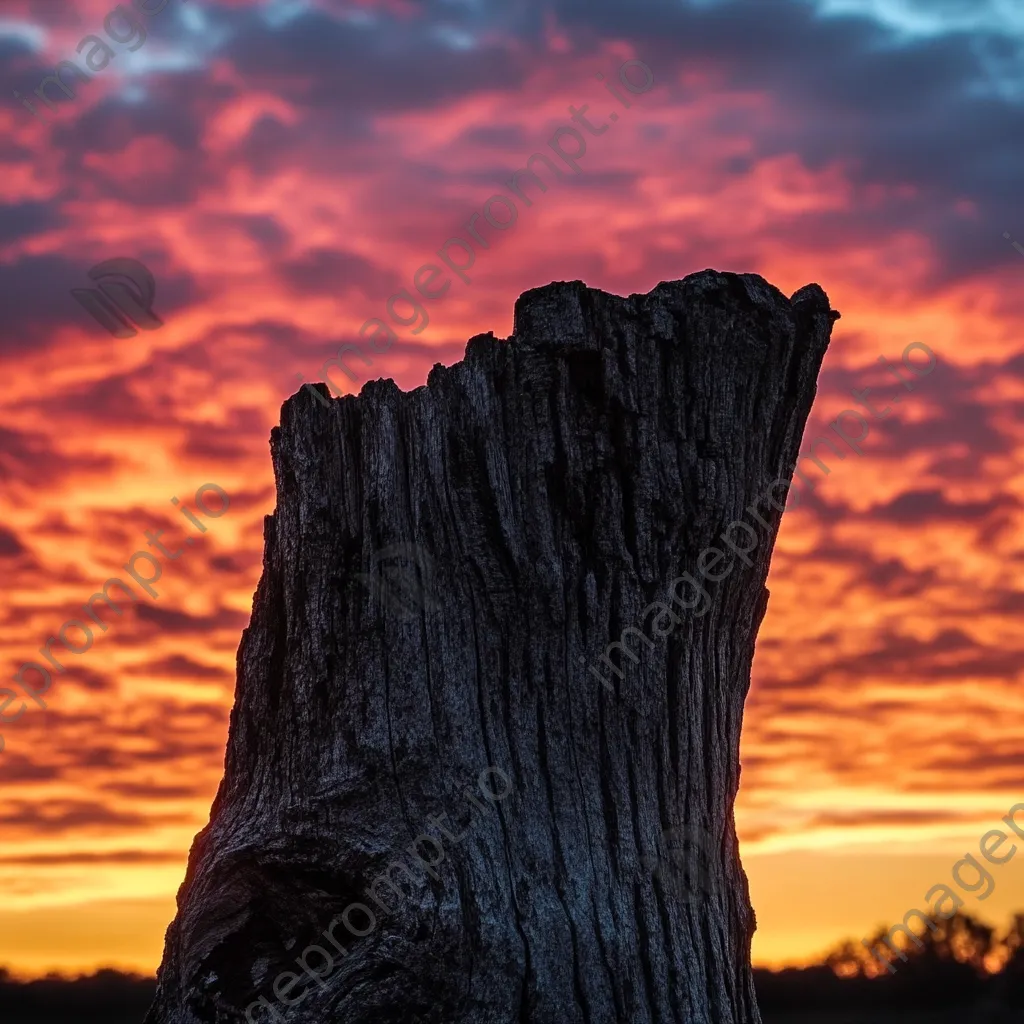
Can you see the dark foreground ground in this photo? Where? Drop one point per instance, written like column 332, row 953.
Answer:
column 813, row 996
column 900, row 1017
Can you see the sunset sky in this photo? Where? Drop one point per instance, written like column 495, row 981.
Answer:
column 284, row 168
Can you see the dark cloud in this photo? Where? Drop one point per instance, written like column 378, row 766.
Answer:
column 270, row 145
column 25, row 457
column 181, row 623
column 920, row 505
column 19, row 767
column 87, row 679
column 35, row 296
column 236, row 563
column 25, row 219
column 149, row 791
column 181, row 665
column 202, row 442
column 975, row 757
column 333, row 270
column 398, row 64
column 893, row 577
column 10, row 546
column 267, row 231
column 951, row 654
column 856, row 819
column 114, row 399
column 170, row 752
column 1004, row 602
column 52, row 817
column 502, row 137
column 83, row 857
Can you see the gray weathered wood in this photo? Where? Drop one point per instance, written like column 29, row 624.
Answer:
column 544, row 490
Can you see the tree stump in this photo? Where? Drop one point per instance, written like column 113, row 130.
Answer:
column 448, row 795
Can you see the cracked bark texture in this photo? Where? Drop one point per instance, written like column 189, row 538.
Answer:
column 558, row 480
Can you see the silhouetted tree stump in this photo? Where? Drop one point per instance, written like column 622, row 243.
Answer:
column 535, row 499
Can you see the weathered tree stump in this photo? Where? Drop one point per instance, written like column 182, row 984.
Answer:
column 432, row 804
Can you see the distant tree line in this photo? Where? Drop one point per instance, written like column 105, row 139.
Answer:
column 963, row 970
column 106, row 997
